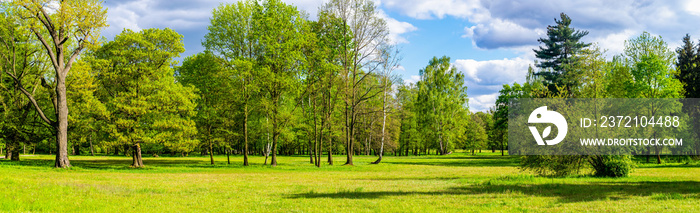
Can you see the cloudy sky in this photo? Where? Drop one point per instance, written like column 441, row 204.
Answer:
column 490, row 41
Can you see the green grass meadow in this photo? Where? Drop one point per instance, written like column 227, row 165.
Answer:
column 453, row 183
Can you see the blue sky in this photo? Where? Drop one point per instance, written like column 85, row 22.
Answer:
column 490, row 41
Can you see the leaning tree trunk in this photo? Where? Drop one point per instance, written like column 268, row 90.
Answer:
column 136, row 156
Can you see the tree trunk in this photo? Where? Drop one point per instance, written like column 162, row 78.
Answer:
column 330, row 148
column 275, row 136
column 136, row 156
column 62, row 126
column 92, row 150
column 228, row 156
column 245, row 135
column 658, row 155
column 211, row 153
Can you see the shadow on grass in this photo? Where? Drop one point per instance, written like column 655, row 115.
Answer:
column 566, row 193
column 121, row 163
column 461, row 162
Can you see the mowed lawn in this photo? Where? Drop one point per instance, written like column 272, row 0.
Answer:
column 452, row 183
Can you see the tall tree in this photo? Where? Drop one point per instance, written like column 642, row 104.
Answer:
column 280, row 27
column 561, row 46
column 64, row 29
column 368, row 31
column 233, row 37
column 137, row 84
column 389, row 59
column 442, row 98
column 688, row 64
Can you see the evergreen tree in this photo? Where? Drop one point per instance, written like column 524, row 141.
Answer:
column 560, row 49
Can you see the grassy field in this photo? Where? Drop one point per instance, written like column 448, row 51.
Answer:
column 452, row 183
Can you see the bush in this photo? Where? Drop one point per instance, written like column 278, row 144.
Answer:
column 612, row 166
column 564, row 165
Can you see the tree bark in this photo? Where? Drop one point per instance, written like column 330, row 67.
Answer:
column 211, row 152
column 228, row 156
column 62, row 113
column 92, row 150
column 245, row 131
column 136, row 156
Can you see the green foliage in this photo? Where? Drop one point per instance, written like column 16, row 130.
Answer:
column 561, row 47
column 442, row 102
column 612, row 166
column 138, row 87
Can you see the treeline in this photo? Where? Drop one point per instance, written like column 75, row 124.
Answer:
column 271, row 81
column 570, row 68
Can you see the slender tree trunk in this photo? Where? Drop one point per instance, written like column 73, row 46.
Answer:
column 245, row 133
column 92, row 150
column 136, row 156
column 228, row 156
column 330, row 148
column 211, row 152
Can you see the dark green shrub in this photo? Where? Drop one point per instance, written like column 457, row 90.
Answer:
column 611, row 166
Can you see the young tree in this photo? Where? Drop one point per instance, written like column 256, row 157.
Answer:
column 389, row 59
column 64, row 30
column 137, row 84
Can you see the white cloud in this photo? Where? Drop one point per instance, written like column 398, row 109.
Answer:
column 482, row 102
column 614, row 43
column 503, row 71
column 411, row 79
column 420, row 9
column 499, row 33
column 692, row 7
column 396, row 28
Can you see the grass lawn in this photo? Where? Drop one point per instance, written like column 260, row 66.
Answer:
column 452, row 183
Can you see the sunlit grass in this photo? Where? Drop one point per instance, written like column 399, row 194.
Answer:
column 454, row 183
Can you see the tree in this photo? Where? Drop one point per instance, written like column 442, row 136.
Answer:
column 560, row 49
column 137, row 84
column 216, row 89
column 87, row 112
column 279, row 26
column 64, row 30
column 233, row 37
column 688, row 64
column 19, row 65
column 650, row 62
column 506, row 95
column 368, row 31
column 442, row 101
column 389, row 59
column 475, row 135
